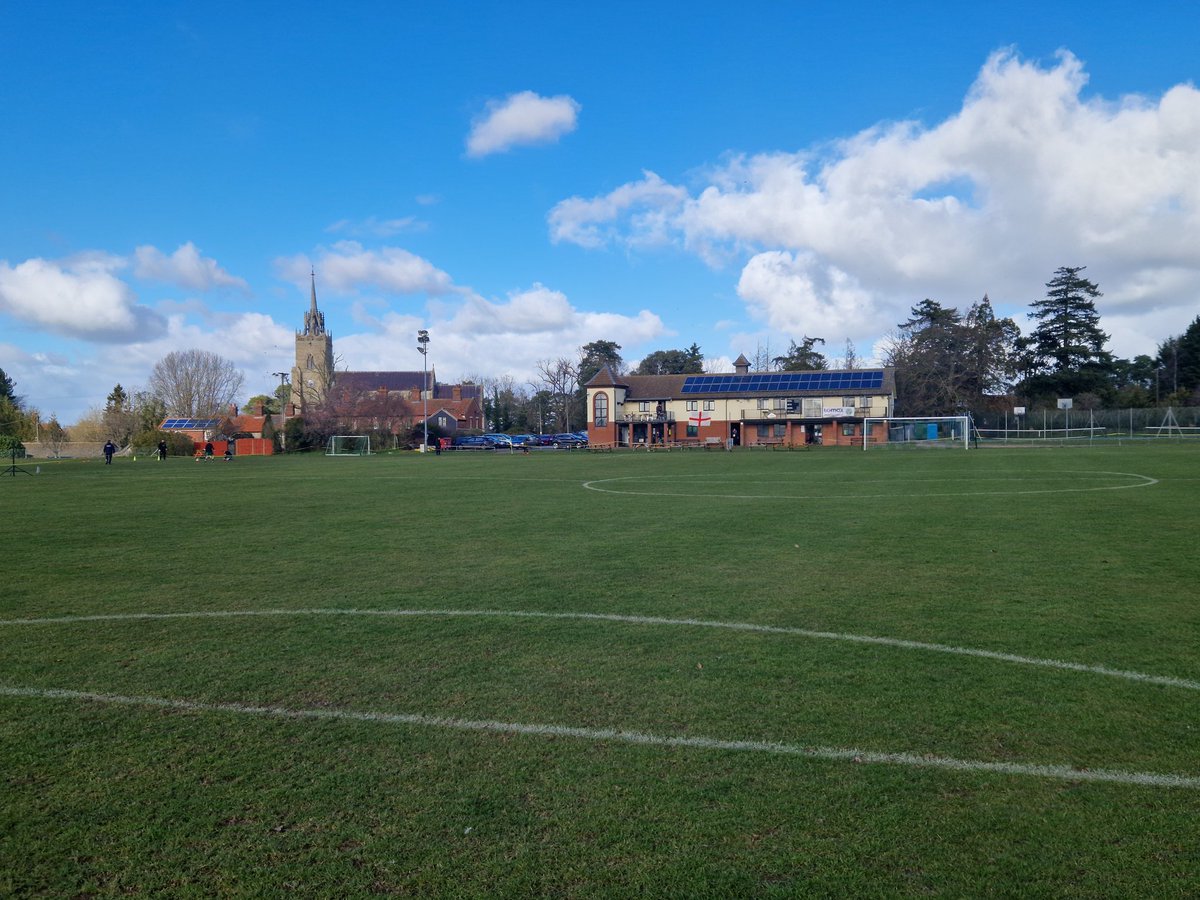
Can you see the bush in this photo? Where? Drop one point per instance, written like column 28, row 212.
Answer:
column 8, row 444
column 146, row 442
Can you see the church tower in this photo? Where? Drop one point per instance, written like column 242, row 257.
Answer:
column 312, row 375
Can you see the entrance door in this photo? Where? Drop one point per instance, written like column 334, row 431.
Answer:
column 735, row 433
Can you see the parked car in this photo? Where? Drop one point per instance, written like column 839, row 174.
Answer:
column 500, row 440
column 474, row 442
column 565, row 439
column 523, row 440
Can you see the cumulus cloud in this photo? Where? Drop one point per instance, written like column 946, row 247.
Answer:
column 521, row 119
column 347, row 267
column 1028, row 175
column 184, row 268
column 494, row 337
column 80, row 297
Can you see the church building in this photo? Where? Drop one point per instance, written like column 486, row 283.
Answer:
column 362, row 402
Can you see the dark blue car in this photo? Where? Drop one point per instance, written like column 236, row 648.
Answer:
column 473, row 442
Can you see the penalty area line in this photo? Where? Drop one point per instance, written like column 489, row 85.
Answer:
column 641, row 738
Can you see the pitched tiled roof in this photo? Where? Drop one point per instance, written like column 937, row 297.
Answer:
column 605, row 378
column 361, row 382
column 653, row 387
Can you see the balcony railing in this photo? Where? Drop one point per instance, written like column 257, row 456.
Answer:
column 661, row 415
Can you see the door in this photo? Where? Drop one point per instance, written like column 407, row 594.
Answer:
column 735, row 433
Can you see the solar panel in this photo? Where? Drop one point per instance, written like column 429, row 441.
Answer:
column 189, row 424
column 831, row 382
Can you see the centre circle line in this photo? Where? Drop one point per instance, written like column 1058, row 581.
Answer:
column 840, row 754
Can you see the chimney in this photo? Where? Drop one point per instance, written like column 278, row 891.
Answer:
column 456, row 392
column 415, row 394
column 383, row 392
column 258, row 409
column 233, row 410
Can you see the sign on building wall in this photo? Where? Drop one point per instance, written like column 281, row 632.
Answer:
column 836, row 412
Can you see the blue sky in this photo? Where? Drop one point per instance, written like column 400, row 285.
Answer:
column 521, row 179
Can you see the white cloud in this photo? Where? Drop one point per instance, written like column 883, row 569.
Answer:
column 1027, row 176
column 520, row 119
column 646, row 208
column 80, row 297
column 485, row 337
column 184, row 268
column 373, row 226
column 347, row 267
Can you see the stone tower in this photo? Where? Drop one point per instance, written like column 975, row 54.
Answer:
column 312, row 375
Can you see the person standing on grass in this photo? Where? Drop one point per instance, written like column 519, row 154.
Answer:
column 208, row 450
column 162, row 450
column 109, row 449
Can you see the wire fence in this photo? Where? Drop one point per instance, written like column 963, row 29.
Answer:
column 1084, row 425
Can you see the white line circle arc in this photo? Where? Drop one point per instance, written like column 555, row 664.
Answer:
column 1061, row 772
column 782, row 484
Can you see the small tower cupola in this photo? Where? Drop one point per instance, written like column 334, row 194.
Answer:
column 741, row 365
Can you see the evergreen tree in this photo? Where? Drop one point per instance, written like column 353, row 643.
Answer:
column 1065, row 353
column 672, row 362
column 595, row 356
column 1068, row 338
column 7, row 388
column 1180, row 357
column 802, row 357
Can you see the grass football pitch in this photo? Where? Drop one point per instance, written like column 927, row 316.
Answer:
column 591, row 675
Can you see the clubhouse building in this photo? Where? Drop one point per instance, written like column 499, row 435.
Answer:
column 739, row 409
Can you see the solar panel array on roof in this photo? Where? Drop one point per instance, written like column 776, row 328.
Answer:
column 190, row 424
column 831, row 382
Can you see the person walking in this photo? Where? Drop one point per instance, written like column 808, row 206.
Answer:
column 109, row 449
column 162, row 450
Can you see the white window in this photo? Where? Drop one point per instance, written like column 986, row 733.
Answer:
column 691, row 405
column 710, row 404
column 781, row 402
column 644, row 406
column 812, row 409
column 762, row 403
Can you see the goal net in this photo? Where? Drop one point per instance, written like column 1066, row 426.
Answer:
column 924, row 431
column 349, row 445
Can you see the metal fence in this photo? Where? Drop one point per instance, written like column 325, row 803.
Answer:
column 1061, row 425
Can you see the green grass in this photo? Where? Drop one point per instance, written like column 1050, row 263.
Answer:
column 1039, row 553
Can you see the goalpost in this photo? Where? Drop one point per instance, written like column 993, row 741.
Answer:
column 918, row 431
column 349, row 445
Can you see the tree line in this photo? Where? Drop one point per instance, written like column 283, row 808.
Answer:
column 949, row 360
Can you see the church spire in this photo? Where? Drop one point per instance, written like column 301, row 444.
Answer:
column 314, row 319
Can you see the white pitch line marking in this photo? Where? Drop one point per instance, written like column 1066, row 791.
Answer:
column 1146, row 481
column 900, row 643
column 1061, row 772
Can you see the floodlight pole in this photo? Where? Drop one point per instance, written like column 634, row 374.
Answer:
column 423, row 348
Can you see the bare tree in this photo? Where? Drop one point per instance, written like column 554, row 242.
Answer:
column 195, row 383
column 850, row 361
column 560, row 377
column 761, row 361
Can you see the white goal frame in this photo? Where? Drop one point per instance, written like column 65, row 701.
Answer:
column 349, row 445
column 959, row 431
